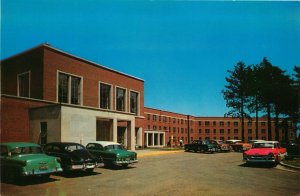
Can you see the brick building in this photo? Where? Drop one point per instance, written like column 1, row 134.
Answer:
column 50, row 95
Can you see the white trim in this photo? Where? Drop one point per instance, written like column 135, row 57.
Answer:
column 69, row 87
column 111, row 95
column 29, row 81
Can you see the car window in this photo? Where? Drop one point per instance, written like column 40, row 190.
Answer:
column 263, row 145
column 26, row 150
column 4, row 151
column 91, row 146
column 113, row 146
column 99, row 147
column 73, row 147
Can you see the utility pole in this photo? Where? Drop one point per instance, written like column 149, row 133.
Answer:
column 188, row 128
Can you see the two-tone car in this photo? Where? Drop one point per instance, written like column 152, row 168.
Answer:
column 238, row 145
column 265, row 152
column 112, row 153
column 73, row 156
column 222, row 146
column 20, row 159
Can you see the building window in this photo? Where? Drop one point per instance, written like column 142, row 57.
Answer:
column 159, row 118
column 221, row 123
column 200, row 130
column 221, row 131
column 105, row 96
column 214, row 123
column 174, row 129
column 228, row 123
column 120, row 99
column 134, row 102
column 235, row 124
column 222, row 138
column 207, row 131
column 249, row 131
column 199, row 123
column 249, row 124
column 263, row 124
column 148, row 116
column 154, row 127
column 69, row 88
column 206, row 123
column 263, row 131
column 215, row 131
column 24, row 84
column 174, row 120
column 235, row 131
column 154, row 117
column 228, row 131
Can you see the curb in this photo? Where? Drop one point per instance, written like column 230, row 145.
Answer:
column 289, row 166
column 156, row 153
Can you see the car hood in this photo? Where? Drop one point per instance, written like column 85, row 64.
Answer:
column 259, row 151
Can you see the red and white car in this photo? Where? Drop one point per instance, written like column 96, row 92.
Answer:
column 265, row 152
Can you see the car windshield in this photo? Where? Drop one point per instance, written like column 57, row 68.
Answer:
column 114, row 146
column 263, row 145
column 26, row 150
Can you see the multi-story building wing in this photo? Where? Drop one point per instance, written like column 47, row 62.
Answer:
column 50, row 95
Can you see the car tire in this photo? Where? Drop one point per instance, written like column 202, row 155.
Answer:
column 124, row 165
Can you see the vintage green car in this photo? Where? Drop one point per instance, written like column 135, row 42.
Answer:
column 112, row 153
column 20, row 159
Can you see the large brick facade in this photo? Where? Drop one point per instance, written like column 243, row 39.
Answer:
column 22, row 117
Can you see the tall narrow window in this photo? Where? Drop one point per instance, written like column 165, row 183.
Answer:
column 75, row 90
column 134, row 102
column 63, row 88
column 69, row 89
column 120, row 99
column 105, row 96
column 23, row 84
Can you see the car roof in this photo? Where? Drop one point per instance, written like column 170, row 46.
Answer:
column 11, row 145
column 263, row 142
column 233, row 140
column 104, row 143
column 63, row 143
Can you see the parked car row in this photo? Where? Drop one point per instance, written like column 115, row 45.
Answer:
column 19, row 159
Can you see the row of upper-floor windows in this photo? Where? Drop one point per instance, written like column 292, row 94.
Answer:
column 70, row 90
column 228, row 123
column 228, row 131
column 168, row 119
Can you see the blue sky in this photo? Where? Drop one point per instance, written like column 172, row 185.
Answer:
column 182, row 49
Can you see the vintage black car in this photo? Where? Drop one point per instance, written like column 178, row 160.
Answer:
column 73, row 156
column 201, row 146
column 293, row 150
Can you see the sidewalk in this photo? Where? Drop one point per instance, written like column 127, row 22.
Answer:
column 155, row 152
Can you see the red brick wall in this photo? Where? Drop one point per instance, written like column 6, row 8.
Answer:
column 28, row 61
column 91, row 74
column 15, row 118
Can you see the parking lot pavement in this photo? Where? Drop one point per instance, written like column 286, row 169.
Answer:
column 153, row 152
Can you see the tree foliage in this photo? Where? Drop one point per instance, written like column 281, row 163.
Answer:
column 263, row 88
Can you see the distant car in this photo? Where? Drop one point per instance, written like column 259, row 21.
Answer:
column 238, row 145
column 73, row 156
column 293, row 150
column 222, row 146
column 201, row 146
column 265, row 152
column 113, row 153
column 26, row 159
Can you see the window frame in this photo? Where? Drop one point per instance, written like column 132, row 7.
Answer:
column 70, row 88
column 111, row 95
column 125, row 98
column 137, row 104
column 29, row 83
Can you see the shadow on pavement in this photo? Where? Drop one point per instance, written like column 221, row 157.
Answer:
column 28, row 180
column 258, row 165
column 76, row 174
column 117, row 167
